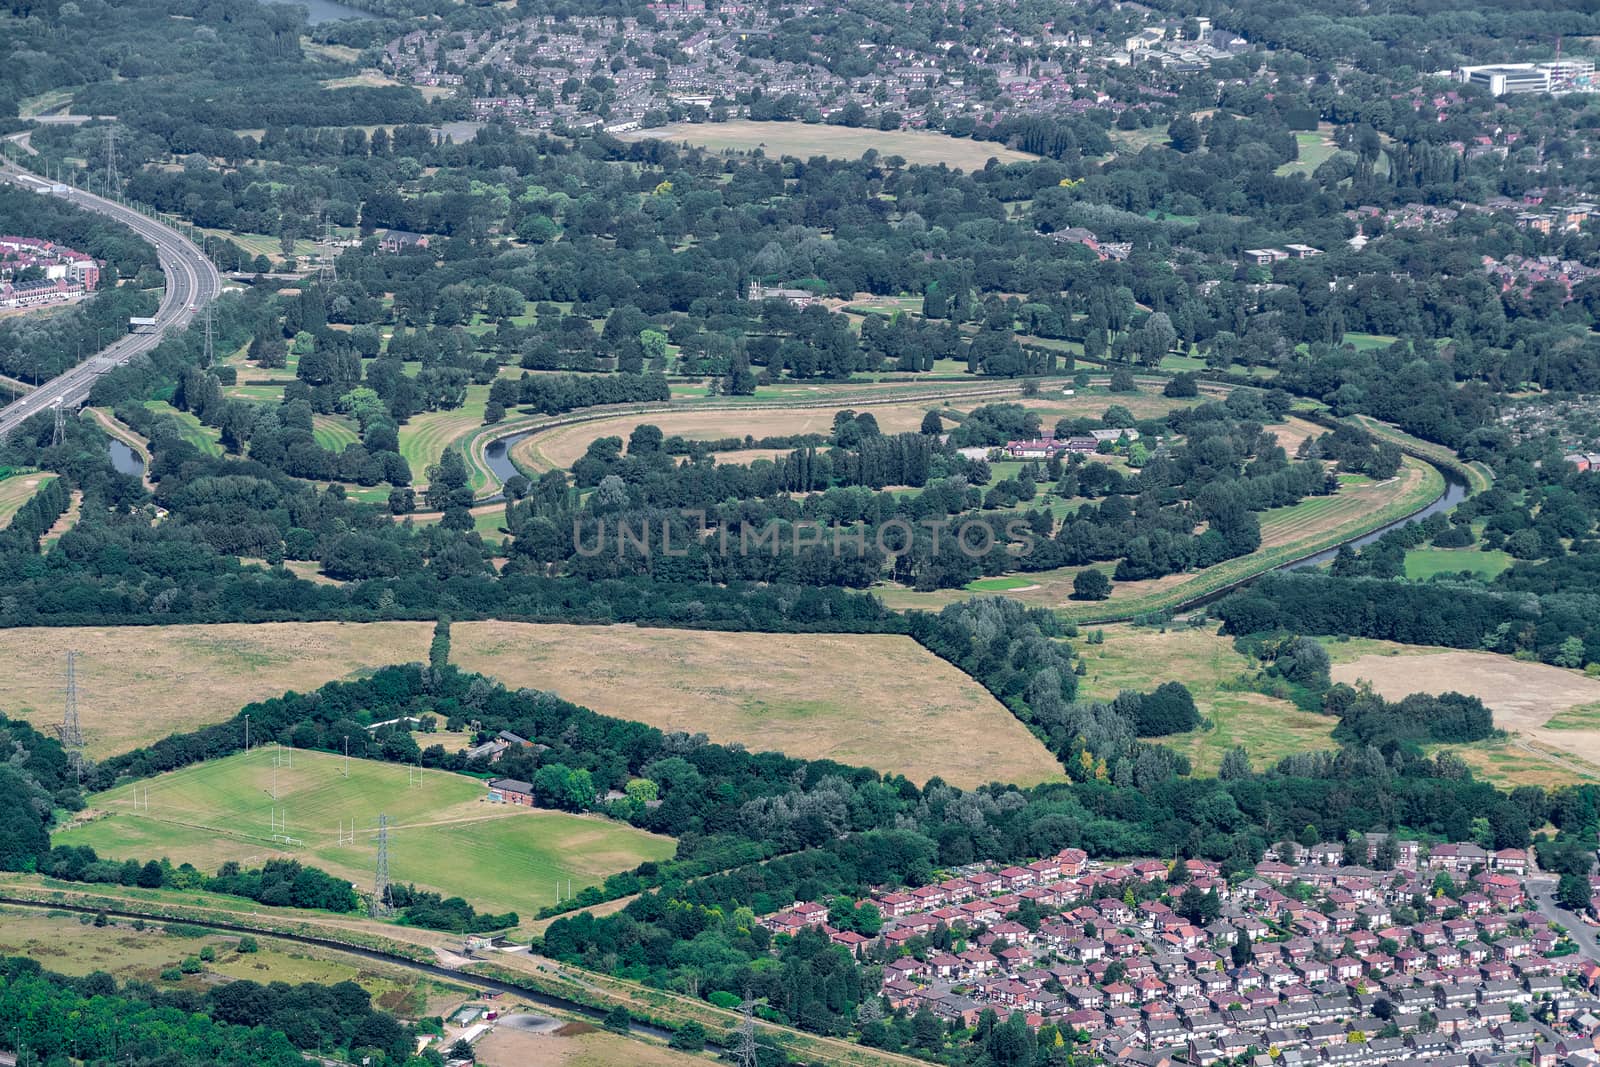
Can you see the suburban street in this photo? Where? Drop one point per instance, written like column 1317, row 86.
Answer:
column 1542, row 891
column 192, row 280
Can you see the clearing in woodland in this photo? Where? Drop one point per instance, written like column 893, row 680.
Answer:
column 1548, row 709
column 444, row 835
column 879, row 701
column 1141, row 658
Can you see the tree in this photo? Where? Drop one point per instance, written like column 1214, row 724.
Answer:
column 618, row 1020
column 1572, row 893
column 690, row 1037
column 439, row 647
column 1184, row 134
column 932, row 424
column 1235, row 764
column 1090, row 584
column 1240, row 951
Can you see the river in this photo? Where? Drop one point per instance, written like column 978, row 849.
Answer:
column 1455, row 491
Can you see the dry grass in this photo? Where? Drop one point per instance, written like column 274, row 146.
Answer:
column 1292, row 433
column 870, row 700
column 1138, row 658
column 507, row 1047
column 65, row 945
column 564, row 445
column 878, row 700
column 1544, row 707
column 838, row 142
column 136, row 684
column 367, row 79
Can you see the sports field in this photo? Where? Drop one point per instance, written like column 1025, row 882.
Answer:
column 444, row 835
column 1314, row 149
column 205, row 438
column 837, row 142
column 881, row 701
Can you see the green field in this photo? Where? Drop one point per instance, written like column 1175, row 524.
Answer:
column 443, row 836
column 16, row 490
column 1315, row 149
column 1424, row 563
column 1214, row 671
column 998, row 585
column 424, row 437
column 190, row 428
column 334, row 432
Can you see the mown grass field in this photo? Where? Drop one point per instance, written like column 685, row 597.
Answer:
column 424, row 438
column 444, row 835
column 577, row 1045
column 16, row 490
column 190, row 428
column 334, row 432
column 1425, row 563
column 837, row 142
column 561, row 446
column 1141, row 658
column 1315, row 149
column 880, row 701
column 873, row 701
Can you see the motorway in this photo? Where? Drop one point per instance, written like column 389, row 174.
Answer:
column 192, row 281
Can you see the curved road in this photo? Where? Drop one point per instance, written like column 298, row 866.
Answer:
column 192, row 281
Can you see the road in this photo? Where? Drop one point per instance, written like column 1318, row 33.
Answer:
column 192, row 281
column 1541, row 890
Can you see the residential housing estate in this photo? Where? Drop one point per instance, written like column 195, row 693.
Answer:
column 1317, row 960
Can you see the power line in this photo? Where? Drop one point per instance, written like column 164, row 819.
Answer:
column 381, row 902
column 70, row 732
column 744, row 1038
column 113, row 182
column 209, row 352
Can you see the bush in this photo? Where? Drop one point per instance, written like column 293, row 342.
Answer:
column 1090, row 584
